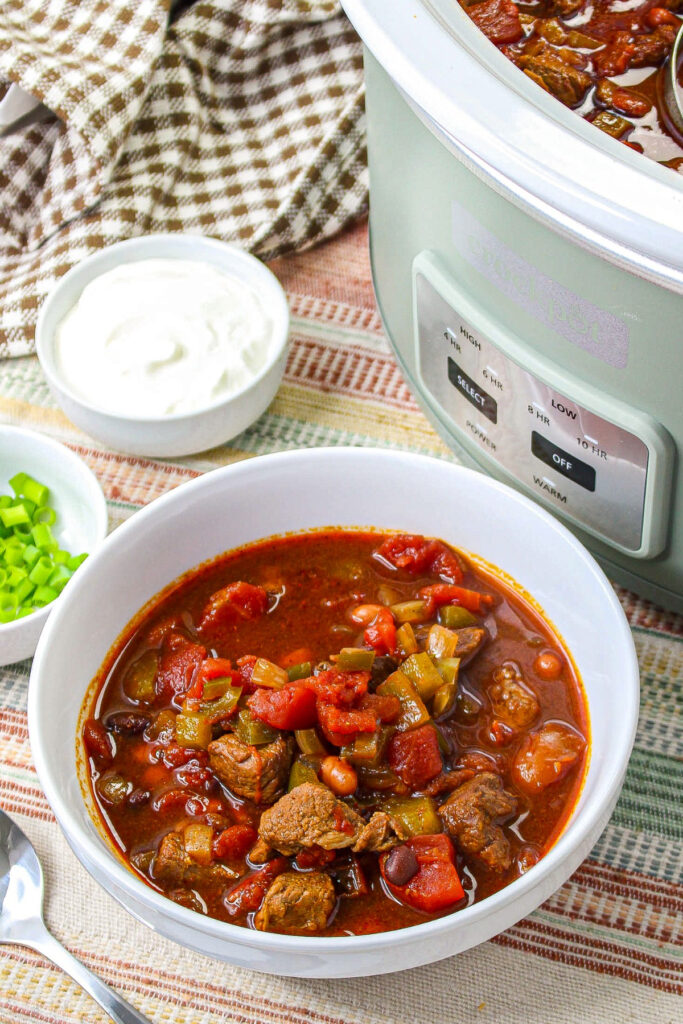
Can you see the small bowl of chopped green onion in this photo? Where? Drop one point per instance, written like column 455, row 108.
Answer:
column 52, row 515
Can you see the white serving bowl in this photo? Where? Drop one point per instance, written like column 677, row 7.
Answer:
column 81, row 524
column 181, row 433
column 329, row 487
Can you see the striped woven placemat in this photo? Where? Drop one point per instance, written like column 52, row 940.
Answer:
column 607, row 947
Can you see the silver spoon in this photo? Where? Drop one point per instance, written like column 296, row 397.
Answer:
column 21, row 920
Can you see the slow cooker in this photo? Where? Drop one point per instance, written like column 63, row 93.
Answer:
column 529, row 272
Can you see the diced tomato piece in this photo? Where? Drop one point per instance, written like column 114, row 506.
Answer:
column 314, row 857
column 245, row 666
column 248, row 894
column 234, row 843
column 292, row 707
column 234, row 603
column 211, row 668
column 387, row 709
column 179, row 660
column 415, row 756
column 339, row 688
column 435, row 885
column 340, row 723
column 498, row 19
column 420, row 555
column 438, row 594
column 381, row 633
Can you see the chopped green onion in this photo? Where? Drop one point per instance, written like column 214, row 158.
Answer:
column 44, row 538
column 44, row 595
column 17, row 483
column 45, row 515
column 14, row 516
column 41, row 571
column 33, row 568
column 30, row 555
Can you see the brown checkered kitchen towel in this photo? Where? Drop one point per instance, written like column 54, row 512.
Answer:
column 241, row 119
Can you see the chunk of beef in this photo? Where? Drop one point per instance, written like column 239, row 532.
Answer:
column 253, row 773
column 260, row 852
column 650, row 50
column 471, row 814
column 498, row 19
column 546, row 756
column 309, row 816
column 174, row 866
column 511, row 700
column 296, row 903
column 470, row 641
column 381, row 833
column 567, row 83
column 172, row 859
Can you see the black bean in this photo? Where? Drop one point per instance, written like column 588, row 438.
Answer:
column 382, row 667
column 127, row 722
column 400, row 865
column 138, row 797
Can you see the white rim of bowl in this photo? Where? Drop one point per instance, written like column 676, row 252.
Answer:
column 98, row 506
column 585, row 829
column 261, row 274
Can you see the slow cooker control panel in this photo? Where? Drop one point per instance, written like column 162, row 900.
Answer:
column 589, row 468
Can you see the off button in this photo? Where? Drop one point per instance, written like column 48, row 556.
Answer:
column 568, row 465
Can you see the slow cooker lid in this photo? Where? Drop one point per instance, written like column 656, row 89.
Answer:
column 529, row 146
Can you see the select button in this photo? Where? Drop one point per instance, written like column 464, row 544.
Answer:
column 568, row 465
column 472, row 391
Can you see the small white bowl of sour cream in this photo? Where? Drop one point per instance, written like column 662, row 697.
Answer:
column 164, row 345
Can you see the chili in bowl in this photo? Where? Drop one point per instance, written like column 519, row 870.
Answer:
column 315, row 739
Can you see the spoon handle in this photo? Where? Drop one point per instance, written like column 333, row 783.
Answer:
column 118, row 1009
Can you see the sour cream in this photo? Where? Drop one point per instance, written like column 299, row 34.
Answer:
column 162, row 337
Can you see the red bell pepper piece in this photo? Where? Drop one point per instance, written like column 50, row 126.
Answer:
column 438, row 594
column 435, row 885
column 292, row 707
column 415, row 756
